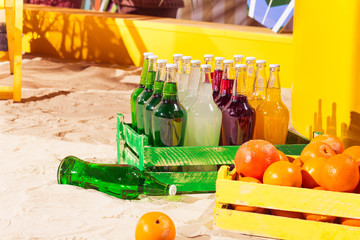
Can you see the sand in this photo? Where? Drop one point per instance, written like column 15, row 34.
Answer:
column 69, row 108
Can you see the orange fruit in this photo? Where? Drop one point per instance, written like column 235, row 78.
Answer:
column 288, row 214
column 298, row 162
column 254, row 157
column 316, row 149
column 333, row 141
column 311, row 171
column 245, row 208
column 350, row 222
column 353, row 151
column 155, row 226
column 282, row 156
column 317, row 217
column 283, row 173
column 340, row 173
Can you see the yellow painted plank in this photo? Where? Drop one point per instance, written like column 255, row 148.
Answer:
column 4, row 56
column 288, row 198
column 281, row 227
column 6, row 92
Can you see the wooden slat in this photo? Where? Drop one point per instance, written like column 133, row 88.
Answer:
column 288, row 198
column 281, row 227
column 6, row 92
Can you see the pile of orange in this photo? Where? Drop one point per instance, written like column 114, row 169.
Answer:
column 324, row 164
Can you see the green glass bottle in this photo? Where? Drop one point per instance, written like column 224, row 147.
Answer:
column 169, row 116
column 146, row 94
column 139, row 90
column 121, row 181
column 156, row 97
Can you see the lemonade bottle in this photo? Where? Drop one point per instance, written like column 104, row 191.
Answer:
column 209, row 59
column 238, row 59
column 218, row 72
column 272, row 116
column 139, row 90
column 184, row 77
column 250, row 75
column 238, row 117
column 259, row 91
column 146, row 94
column 169, row 117
column 193, row 85
column 204, row 116
column 156, row 97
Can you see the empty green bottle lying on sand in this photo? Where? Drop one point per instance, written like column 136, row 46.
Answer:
column 119, row 180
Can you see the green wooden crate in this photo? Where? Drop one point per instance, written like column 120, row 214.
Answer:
column 191, row 169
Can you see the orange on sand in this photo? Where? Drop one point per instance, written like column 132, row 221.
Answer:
column 254, row 157
column 333, row 141
column 288, row 214
column 311, row 171
column 316, row 149
column 340, row 173
column 155, row 226
column 298, row 162
column 282, row 156
column 245, row 208
column 353, row 151
column 317, row 217
column 283, row 173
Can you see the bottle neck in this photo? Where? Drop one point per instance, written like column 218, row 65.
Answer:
column 144, row 71
column 217, row 79
column 177, row 61
column 194, row 79
column 205, row 88
column 239, row 88
column 250, row 69
column 227, row 80
column 170, row 85
column 151, row 74
column 260, row 81
column 185, row 67
column 160, row 79
column 273, row 89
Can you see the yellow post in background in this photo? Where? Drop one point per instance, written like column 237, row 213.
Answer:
column 327, row 68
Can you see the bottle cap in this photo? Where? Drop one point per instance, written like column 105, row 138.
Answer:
column 238, row 56
column 205, row 66
column 171, row 65
column 250, row 58
column 260, row 61
column 148, row 53
column 161, row 61
column 219, row 58
column 274, row 65
column 177, row 55
column 228, row 61
column 208, row 56
column 172, row 190
column 240, row 65
column 153, row 57
column 195, row 61
column 186, row 57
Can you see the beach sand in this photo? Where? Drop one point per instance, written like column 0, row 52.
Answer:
column 69, row 108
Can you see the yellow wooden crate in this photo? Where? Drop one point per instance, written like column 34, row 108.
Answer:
column 283, row 198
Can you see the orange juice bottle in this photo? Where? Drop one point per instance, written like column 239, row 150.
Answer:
column 259, row 89
column 250, row 75
column 272, row 116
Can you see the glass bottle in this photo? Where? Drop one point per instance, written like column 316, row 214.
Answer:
column 156, row 97
column 218, row 72
column 259, row 90
column 139, row 90
column 169, row 116
column 177, row 60
column 204, row 116
column 238, row 117
column 121, row 181
column 209, row 59
column 238, row 59
column 272, row 115
column 146, row 94
column 184, row 77
column 227, row 82
column 250, row 75
column 192, row 89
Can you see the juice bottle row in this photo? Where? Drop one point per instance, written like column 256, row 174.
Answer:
column 186, row 103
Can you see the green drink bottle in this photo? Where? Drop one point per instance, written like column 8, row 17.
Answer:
column 139, row 90
column 121, row 181
column 156, row 97
column 169, row 116
column 146, row 94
